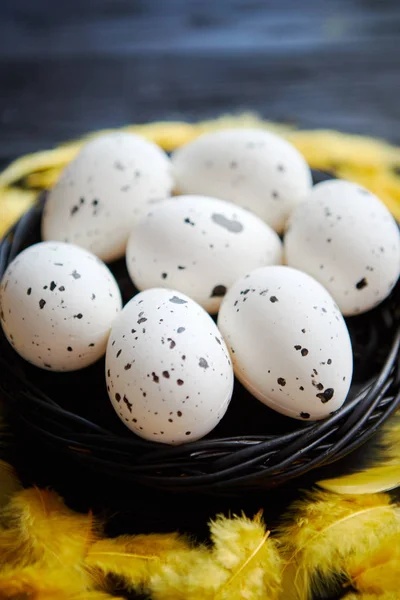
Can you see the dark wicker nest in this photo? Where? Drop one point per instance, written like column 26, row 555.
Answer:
column 251, row 449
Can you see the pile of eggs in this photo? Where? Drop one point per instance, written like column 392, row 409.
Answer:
column 231, row 226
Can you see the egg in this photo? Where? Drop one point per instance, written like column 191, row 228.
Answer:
column 104, row 190
column 58, row 303
column 346, row 238
column 255, row 169
column 168, row 371
column 289, row 343
column 199, row 246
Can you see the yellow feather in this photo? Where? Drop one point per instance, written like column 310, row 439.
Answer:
column 38, row 583
column 41, row 528
column 369, row 481
column 243, row 564
column 190, row 575
column 385, row 596
column 383, row 474
column 134, row 558
column 94, row 595
column 288, row 591
column 243, row 546
column 322, row 530
column 379, row 571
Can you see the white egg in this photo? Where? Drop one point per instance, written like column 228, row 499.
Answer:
column 169, row 376
column 255, row 169
column 104, row 190
column 346, row 238
column 58, row 303
column 288, row 341
column 199, row 246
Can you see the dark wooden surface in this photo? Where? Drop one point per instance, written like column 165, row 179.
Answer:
column 77, row 65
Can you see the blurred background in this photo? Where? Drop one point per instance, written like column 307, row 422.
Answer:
column 73, row 66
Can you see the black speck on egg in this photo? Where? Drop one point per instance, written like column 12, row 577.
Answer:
column 362, row 283
column 326, row 395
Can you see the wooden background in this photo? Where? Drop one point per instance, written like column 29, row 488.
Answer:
column 71, row 66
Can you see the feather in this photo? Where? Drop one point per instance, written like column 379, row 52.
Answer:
column 41, row 528
column 379, row 571
column 383, row 470
column 94, row 595
column 190, row 575
column 322, row 530
column 133, row 558
column 384, row 596
column 242, row 564
column 288, row 591
column 39, row 583
column 369, row 481
column 243, row 546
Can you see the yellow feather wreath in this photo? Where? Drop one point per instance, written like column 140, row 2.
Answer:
column 326, row 542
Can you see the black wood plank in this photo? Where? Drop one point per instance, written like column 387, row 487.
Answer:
column 76, row 66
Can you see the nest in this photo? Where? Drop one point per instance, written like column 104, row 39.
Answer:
column 253, row 448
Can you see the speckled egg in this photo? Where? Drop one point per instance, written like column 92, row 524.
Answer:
column 255, row 169
column 58, row 303
column 346, row 238
column 288, row 341
column 169, row 375
column 99, row 196
column 200, row 246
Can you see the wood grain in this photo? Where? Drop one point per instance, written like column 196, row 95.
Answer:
column 77, row 66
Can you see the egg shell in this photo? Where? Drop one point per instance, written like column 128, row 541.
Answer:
column 104, row 190
column 346, row 238
column 168, row 371
column 289, row 343
column 199, row 246
column 255, row 169
column 58, row 303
